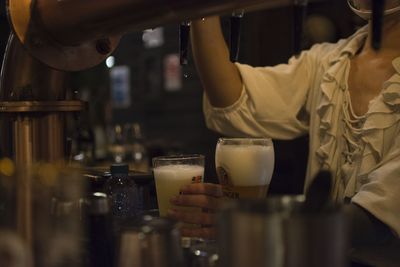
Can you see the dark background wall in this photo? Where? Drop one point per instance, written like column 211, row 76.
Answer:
column 4, row 28
column 173, row 121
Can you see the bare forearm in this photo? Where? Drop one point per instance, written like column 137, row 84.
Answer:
column 220, row 77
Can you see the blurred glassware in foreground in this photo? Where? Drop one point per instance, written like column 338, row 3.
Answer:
column 203, row 254
column 13, row 251
column 280, row 232
column 41, row 206
column 154, row 243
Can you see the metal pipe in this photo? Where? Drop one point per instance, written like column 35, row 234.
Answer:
column 23, row 152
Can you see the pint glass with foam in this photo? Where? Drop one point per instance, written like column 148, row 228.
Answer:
column 244, row 166
column 173, row 172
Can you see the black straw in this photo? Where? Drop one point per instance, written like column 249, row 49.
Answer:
column 184, row 32
column 300, row 12
column 377, row 21
column 235, row 38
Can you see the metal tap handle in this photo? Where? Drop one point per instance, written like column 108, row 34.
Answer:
column 235, row 34
column 184, row 33
column 300, row 12
column 377, row 19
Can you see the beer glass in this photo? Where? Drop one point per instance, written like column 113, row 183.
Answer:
column 173, row 172
column 244, row 166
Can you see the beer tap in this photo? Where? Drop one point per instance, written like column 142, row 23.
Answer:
column 300, row 12
column 236, row 19
column 184, row 33
column 378, row 7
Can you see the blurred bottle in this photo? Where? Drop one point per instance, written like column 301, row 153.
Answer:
column 137, row 154
column 100, row 138
column 117, row 145
column 85, row 146
column 123, row 193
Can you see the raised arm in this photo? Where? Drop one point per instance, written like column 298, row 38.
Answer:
column 220, row 78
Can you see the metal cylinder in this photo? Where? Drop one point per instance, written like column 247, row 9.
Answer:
column 32, row 108
column 155, row 244
column 278, row 233
column 24, row 78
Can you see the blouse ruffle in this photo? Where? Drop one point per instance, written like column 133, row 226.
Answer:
column 383, row 113
column 329, row 111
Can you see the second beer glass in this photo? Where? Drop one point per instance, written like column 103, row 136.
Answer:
column 173, row 172
column 244, row 166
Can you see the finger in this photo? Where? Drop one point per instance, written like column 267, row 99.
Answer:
column 203, row 232
column 200, row 218
column 200, row 201
column 209, row 189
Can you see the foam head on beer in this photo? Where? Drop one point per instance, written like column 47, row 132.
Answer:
column 245, row 166
column 172, row 173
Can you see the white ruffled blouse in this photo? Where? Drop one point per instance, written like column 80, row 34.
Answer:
column 309, row 95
